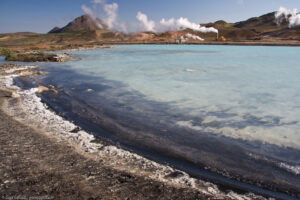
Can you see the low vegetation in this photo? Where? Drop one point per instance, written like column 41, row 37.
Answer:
column 9, row 55
column 27, row 57
column 39, row 56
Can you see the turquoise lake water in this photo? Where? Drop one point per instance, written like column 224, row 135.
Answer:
column 246, row 92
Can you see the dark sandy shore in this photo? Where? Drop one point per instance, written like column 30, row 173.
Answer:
column 34, row 165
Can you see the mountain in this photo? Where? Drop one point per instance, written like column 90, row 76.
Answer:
column 56, row 29
column 82, row 23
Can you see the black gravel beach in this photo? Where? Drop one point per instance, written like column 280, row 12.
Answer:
column 34, row 165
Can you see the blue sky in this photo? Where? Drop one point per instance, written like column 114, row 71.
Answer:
column 42, row 15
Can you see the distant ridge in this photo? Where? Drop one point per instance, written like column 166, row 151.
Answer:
column 256, row 28
column 56, row 29
column 267, row 20
column 82, row 23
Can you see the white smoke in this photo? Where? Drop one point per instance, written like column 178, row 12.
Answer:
column 291, row 16
column 194, row 37
column 172, row 25
column 148, row 25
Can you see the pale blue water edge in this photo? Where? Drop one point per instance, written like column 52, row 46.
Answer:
column 246, row 92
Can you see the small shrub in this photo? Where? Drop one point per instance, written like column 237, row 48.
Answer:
column 29, row 58
column 9, row 55
column 53, row 48
column 34, row 48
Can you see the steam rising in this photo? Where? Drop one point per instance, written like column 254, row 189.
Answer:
column 291, row 16
column 111, row 14
column 111, row 19
column 91, row 14
column 194, row 37
column 148, row 25
column 172, row 24
column 111, row 11
column 183, row 23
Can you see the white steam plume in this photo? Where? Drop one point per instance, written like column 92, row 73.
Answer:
column 194, row 37
column 183, row 23
column 111, row 11
column 111, row 15
column 289, row 15
column 148, row 25
column 91, row 14
column 172, row 25
column 111, row 19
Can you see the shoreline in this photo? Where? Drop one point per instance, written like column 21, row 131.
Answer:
column 37, row 165
column 108, row 44
column 230, row 43
column 30, row 110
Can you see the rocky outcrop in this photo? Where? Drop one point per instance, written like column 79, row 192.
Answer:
column 54, row 30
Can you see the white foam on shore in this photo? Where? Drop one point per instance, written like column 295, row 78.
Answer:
column 190, row 70
column 32, row 111
column 250, row 133
column 7, row 82
column 294, row 169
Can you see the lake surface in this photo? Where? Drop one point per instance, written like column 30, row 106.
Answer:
column 228, row 110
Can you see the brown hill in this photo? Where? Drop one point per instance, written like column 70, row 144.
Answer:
column 256, row 28
column 82, row 23
column 267, row 20
column 54, row 30
column 286, row 33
